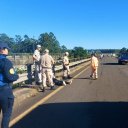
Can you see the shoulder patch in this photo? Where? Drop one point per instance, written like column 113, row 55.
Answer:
column 11, row 71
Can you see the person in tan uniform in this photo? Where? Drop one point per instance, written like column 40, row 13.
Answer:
column 94, row 66
column 47, row 74
column 36, row 58
column 66, row 69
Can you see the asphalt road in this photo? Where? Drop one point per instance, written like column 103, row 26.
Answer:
column 87, row 103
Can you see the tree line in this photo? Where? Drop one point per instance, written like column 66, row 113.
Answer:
column 26, row 44
column 124, row 50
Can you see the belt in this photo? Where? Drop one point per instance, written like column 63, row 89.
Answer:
column 47, row 67
column 66, row 64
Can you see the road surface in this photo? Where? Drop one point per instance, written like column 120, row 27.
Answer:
column 87, row 103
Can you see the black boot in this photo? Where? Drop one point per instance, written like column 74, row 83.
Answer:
column 43, row 90
column 64, row 78
column 52, row 87
column 69, row 77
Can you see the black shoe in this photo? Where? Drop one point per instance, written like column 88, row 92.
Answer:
column 91, row 76
column 52, row 87
column 43, row 90
column 69, row 77
column 64, row 78
column 38, row 83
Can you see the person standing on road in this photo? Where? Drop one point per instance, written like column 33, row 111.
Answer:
column 66, row 70
column 36, row 57
column 47, row 74
column 7, row 76
column 94, row 66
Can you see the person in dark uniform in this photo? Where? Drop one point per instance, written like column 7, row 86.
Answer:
column 7, row 76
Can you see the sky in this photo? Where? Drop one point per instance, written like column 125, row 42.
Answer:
column 91, row 24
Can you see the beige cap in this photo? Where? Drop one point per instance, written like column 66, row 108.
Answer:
column 46, row 51
column 38, row 46
column 66, row 53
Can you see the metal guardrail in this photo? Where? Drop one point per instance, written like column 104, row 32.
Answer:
column 25, row 76
column 60, row 67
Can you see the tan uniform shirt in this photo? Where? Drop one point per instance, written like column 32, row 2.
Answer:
column 46, row 61
column 65, row 60
column 94, row 62
column 36, row 55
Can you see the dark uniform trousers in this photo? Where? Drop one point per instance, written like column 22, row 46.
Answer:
column 7, row 76
column 6, row 104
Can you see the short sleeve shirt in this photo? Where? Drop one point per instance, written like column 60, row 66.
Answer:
column 65, row 60
column 37, row 54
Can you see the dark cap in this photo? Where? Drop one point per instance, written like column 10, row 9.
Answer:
column 4, row 45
